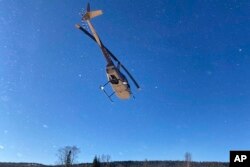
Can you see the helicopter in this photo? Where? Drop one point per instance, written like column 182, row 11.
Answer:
column 116, row 78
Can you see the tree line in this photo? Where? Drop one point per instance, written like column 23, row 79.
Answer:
column 67, row 157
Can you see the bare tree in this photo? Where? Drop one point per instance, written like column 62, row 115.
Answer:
column 67, row 156
column 105, row 159
column 188, row 159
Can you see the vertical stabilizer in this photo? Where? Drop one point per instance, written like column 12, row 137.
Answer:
column 91, row 14
column 88, row 7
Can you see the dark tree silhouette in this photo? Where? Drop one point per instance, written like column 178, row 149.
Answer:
column 68, row 160
column 96, row 162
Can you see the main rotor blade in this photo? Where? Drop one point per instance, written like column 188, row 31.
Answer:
column 85, row 31
column 91, row 36
column 131, row 77
column 110, row 53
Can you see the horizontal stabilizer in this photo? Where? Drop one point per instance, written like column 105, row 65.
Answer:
column 90, row 15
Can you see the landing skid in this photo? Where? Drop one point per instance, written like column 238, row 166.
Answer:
column 102, row 87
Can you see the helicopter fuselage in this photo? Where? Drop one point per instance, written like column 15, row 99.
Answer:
column 118, row 82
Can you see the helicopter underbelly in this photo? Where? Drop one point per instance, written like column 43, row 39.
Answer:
column 121, row 88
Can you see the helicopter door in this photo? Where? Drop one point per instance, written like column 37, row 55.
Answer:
column 113, row 79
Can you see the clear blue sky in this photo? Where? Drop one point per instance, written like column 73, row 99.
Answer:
column 191, row 59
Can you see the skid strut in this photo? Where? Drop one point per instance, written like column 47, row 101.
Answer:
column 102, row 87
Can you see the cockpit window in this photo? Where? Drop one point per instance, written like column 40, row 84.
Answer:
column 113, row 79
